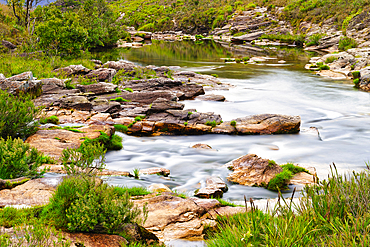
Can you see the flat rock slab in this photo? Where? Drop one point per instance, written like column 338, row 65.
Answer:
column 31, row 193
column 52, row 141
column 171, row 217
column 252, row 170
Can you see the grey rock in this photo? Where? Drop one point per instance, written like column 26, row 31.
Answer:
column 98, row 88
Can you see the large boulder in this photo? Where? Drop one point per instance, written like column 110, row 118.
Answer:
column 102, row 74
column 23, row 82
column 120, row 65
column 32, row 193
column 364, row 82
column 73, row 70
column 252, row 170
column 76, row 102
column 268, row 124
column 171, row 217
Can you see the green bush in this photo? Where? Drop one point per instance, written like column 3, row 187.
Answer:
column 324, row 67
column 133, row 191
column 121, row 128
column 346, row 43
column 356, row 81
column 17, row 116
column 51, row 119
column 83, row 204
column 128, row 89
column 87, row 159
column 314, row 39
column 356, row 74
column 17, row 159
column 233, row 123
column 293, row 168
column 212, row 123
column 331, row 59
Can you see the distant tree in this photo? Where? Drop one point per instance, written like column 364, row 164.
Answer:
column 22, row 10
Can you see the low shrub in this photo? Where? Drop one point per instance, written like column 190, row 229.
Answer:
column 81, row 203
column 133, row 191
column 87, row 159
column 233, row 123
column 331, row 59
column 17, row 115
column 128, row 89
column 293, row 168
column 346, row 43
column 324, row 67
column 356, row 74
column 212, row 123
column 52, row 119
column 18, row 159
column 121, row 128
column 356, row 81
column 314, row 39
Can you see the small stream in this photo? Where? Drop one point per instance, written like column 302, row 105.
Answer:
column 335, row 108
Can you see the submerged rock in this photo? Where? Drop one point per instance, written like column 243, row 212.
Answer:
column 252, row 170
column 209, row 192
column 201, row 146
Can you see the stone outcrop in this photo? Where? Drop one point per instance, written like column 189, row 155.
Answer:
column 73, row 70
column 252, row 170
column 8, row 44
column 24, row 82
column 31, row 193
column 171, row 217
column 98, row 88
column 52, row 141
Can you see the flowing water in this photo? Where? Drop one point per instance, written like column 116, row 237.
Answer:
column 335, row 108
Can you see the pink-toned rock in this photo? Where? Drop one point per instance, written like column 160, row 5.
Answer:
column 252, row 170
column 155, row 170
column 53, row 141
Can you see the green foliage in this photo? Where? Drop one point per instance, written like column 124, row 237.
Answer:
column 226, row 203
column 356, row 81
column 52, row 119
column 233, row 123
column 314, row 39
column 136, row 172
column 18, row 159
column 298, row 40
column 113, row 142
column 128, row 89
column 280, row 181
column 120, row 99
column 356, row 74
column 17, row 115
column 346, row 43
column 324, row 67
column 293, row 168
column 121, row 128
column 34, row 232
column 87, row 159
column 133, row 191
column 69, row 85
column 212, row 123
column 82, row 204
column 331, row 59
column 272, row 163
column 91, row 25
column 215, row 75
